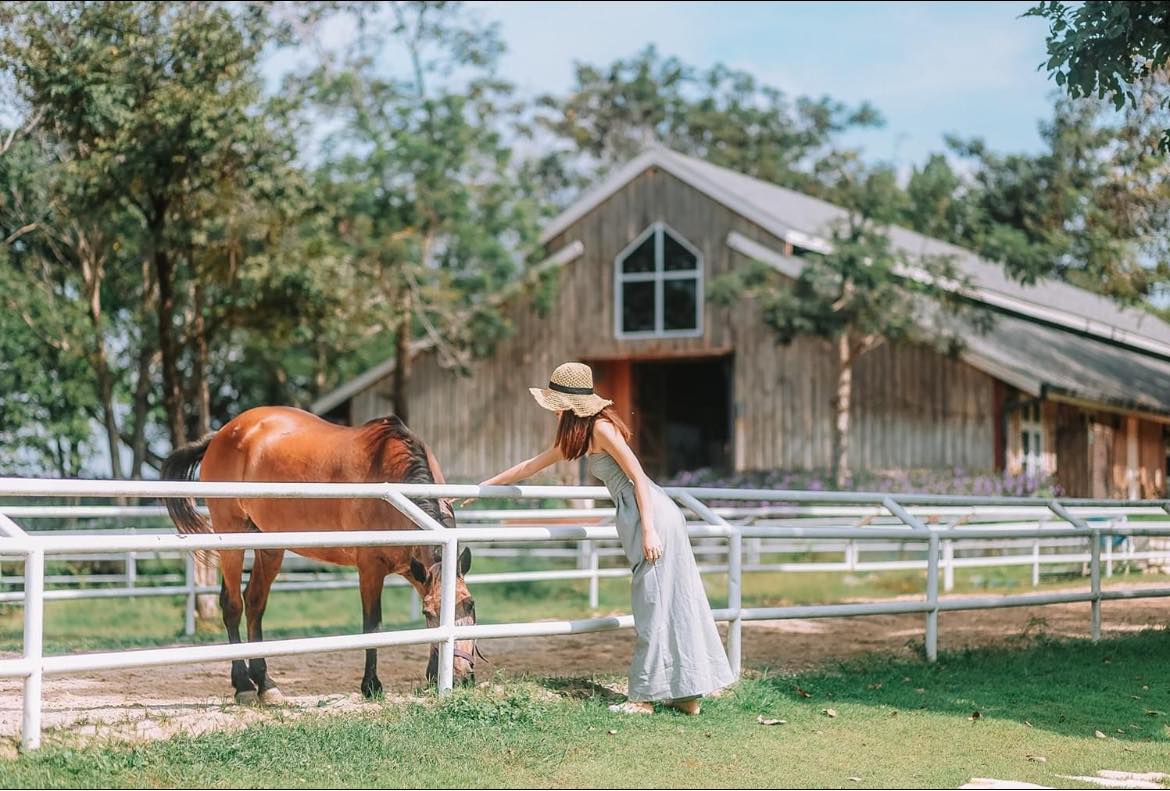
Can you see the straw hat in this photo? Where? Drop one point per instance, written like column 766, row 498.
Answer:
column 570, row 387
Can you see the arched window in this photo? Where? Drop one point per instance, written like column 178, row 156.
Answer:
column 658, row 286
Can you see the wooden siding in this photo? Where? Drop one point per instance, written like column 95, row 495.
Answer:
column 913, row 407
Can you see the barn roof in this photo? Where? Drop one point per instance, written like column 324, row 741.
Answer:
column 1045, row 361
column 1049, row 338
column 806, row 222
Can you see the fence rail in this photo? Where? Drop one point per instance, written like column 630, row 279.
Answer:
column 1070, row 519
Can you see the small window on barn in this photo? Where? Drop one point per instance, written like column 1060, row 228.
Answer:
column 1031, row 441
column 658, row 286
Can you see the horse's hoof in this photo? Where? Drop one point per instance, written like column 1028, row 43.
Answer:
column 271, row 697
column 248, row 697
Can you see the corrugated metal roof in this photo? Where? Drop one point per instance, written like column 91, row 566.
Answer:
column 1044, row 360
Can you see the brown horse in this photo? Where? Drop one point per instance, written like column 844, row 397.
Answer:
column 285, row 444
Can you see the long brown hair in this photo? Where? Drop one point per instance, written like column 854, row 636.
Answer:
column 574, row 433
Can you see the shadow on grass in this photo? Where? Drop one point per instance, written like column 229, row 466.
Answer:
column 580, row 689
column 1119, row 686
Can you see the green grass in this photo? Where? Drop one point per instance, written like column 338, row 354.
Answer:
column 898, row 723
column 95, row 624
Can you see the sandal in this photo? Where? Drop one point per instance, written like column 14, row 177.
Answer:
column 631, row 707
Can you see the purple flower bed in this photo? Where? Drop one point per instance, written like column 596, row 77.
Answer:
column 954, row 481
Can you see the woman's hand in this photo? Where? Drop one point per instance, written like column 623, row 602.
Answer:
column 651, row 546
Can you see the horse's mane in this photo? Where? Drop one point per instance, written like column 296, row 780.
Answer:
column 398, row 455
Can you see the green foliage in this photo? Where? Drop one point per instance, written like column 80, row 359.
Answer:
column 721, row 114
column 425, row 198
column 1107, row 49
column 469, row 708
column 1092, row 208
column 44, row 423
column 165, row 188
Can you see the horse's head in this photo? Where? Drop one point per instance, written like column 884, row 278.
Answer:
column 427, row 569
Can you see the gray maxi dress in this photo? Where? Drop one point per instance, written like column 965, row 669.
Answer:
column 678, row 652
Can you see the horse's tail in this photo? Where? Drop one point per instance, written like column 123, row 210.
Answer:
column 180, row 466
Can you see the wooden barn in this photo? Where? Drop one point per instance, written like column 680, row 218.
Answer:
column 1066, row 383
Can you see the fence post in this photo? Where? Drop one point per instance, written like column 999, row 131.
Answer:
column 1036, row 563
column 734, row 578
column 189, row 571
column 735, row 599
column 594, row 579
column 917, row 524
column 34, row 646
column 932, row 599
column 1109, row 557
column 1095, row 585
column 948, row 565
column 447, row 616
column 131, row 569
column 755, row 551
column 1094, row 563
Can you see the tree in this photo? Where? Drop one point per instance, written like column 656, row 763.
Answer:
column 865, row 291
column 426, row 199
column 722, row 115
column 149, row 110
column 1107, row 49
column 45, row 383
column 1091, row 208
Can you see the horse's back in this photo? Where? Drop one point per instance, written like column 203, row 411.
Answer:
column 276, row 443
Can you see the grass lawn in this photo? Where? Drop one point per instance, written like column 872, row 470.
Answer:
column 898, row 723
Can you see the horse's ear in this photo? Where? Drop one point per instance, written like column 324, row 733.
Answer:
column 418, row 570
column 464, row 561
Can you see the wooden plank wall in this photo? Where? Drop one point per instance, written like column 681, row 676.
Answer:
column 915, row 408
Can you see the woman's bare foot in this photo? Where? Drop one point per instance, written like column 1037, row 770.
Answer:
column 632, row 707
column 689, row 706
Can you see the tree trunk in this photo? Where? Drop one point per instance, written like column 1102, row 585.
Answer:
column 402, row 361
column 92, row 273
column 841, row 404
column 206, row 604
column 201, row 386
column 143, row 386
column 172, row 386
column 141, row 407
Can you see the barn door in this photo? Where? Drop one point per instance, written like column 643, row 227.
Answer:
column 1072, row 445
column 614, row 380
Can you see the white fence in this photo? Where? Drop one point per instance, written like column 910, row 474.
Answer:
column 302, row 574
column 1067, row 519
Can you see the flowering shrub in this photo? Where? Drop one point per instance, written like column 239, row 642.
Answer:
column 953, row 481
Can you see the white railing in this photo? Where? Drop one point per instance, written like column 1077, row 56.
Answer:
column 301, row 574
column 1069, row 522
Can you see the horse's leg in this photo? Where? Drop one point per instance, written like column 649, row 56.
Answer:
column 371, row 577
column 231, row 563
column 265, row 567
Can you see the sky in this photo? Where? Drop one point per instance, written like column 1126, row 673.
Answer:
column 931, row 68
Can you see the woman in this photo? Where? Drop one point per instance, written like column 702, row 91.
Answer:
column 678, row 657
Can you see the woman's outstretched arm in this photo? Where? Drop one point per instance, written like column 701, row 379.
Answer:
column 607, row 438
column 525, row 469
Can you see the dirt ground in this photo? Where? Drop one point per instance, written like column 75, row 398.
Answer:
column 156, row 703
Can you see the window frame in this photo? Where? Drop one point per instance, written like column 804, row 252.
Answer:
column 658, row 276
column 1032, row 461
